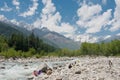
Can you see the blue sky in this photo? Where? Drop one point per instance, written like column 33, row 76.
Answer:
column 85, row 20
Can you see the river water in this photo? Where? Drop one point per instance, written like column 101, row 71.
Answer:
column 16, row 70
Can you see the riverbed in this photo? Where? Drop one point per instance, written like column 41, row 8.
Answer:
column 64, row 68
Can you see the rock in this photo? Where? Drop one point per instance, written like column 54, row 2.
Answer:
column 59, row 79
column 101, row 79
column 110, row 63
column 78, row 72
column 46, row 77
column 49, row 72
column 54, row 67
column 25, row 65
column 60, row 66
column 70, row 66
column 14, row 58
column 26, row 68
column 2, row 67
column 31, row 78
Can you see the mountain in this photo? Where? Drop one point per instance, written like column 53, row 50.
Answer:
column 113, row 37
column 52, row 38
column 109, row 38
column 60, row 40
column 7, row 30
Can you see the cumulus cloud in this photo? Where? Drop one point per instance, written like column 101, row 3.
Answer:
column 5, row 8
column 86, row 38
column 2, row 18
column 31, row 10
column 96, row 24
column 16, row 3
column 91, row 18
column 106, row 37
column 118, row 34
column 116, row 20
column 51, row 19
column 49, row 7
column 22, row 24
column 14, row 21
column 86, row 12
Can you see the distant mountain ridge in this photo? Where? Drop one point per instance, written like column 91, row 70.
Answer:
column 112, row 38
column 52, row 38
column 12, row 28
column 60, row 40
column 7, row 30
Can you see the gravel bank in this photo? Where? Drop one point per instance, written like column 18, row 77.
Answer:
column 74, row 68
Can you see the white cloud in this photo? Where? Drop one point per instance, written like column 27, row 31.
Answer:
column 49, row 7
column 106, row 37
column 116, row 20
column 21, row 24
column 98, row 22
column 14, row 21
column 51, row 19
column 31, row 10
column 86, row 12
column 16, row 3
column 2, row 18
column 91, row 19
column 86, row 38
column 118, row 34
column 5, row 8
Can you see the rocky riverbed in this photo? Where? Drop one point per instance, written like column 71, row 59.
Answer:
column 65, row 68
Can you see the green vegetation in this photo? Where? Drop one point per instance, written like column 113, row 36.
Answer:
column 92, row 49
column 103, row 49
column 19, row 42
column 18, row 46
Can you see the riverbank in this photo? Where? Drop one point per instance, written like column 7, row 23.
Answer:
column 63, row 68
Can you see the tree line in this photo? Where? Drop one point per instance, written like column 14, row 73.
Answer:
column 103, row 49
column 18, row 45
column 92, row 49
column 20, row 42
column 24, row 45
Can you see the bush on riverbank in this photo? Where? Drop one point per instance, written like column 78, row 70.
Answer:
column 103, row 49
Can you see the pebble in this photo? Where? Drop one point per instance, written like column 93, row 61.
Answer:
column 2, row 67
column 58, row 79
column 78, row 72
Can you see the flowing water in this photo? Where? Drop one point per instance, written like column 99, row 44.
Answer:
column 15, row 70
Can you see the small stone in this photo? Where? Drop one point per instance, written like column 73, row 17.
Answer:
column 70, row 66
column 49, row 71
column 2, row 67
column 54, row 67
column 59, row 79
column 101, row 79
column 25, row 68
column 31, row 78
column 25, row 65
column 46, row 77
column 78, row 72
column 60, row 66
column 14, row 58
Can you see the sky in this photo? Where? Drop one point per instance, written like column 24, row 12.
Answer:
column 80, row 20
